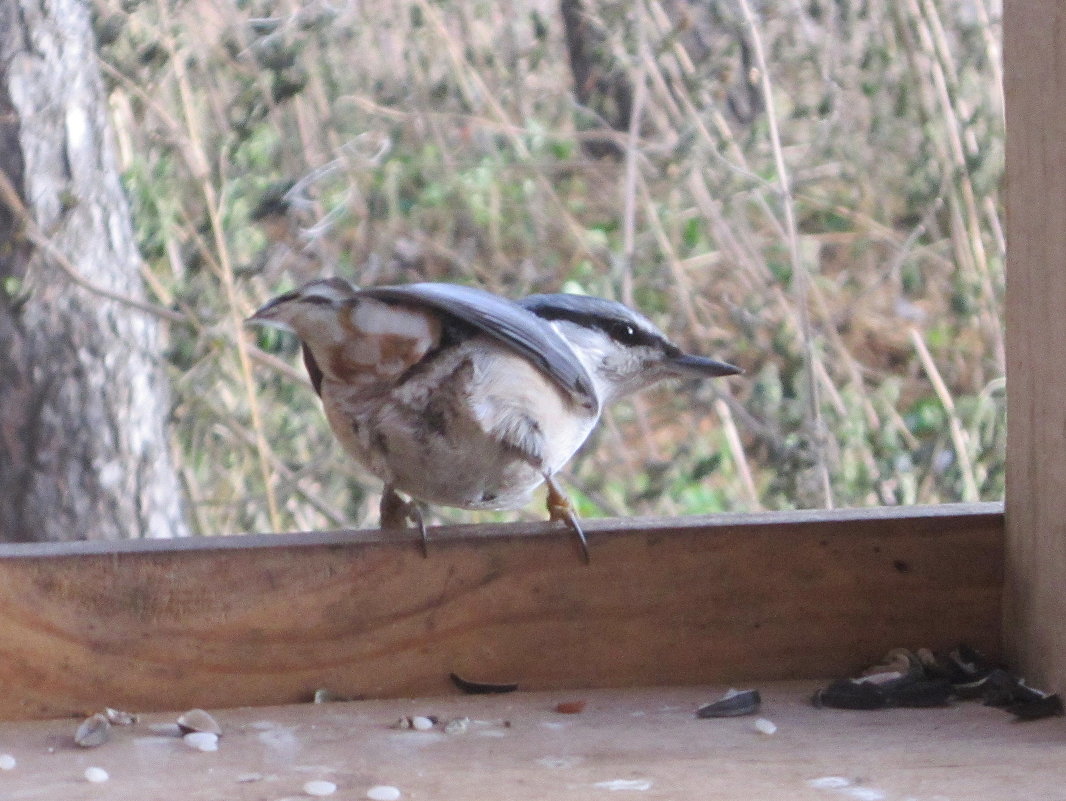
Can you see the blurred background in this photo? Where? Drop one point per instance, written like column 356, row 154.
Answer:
column 808, row 190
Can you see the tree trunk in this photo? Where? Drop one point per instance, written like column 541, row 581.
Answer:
column 83, row 446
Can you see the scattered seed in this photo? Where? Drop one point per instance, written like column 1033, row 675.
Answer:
column 898, row 660
column 201, row 740
column 625, row 784
column 383, row 792
column 570, row 707
column 881, row 677
column 416, row 722
column 920, row 693
column 93, row 731
column 1035, row 710
column 733, row 704
column 764, row 726
column 457, row 726
column 849, row 694
column 96, row 775
column 7, row 762
column 829, row 782
column 422, row 723
column 119, row 717
column 197, row 720
column 320, row 787
column 482, row 687
column 865, row 794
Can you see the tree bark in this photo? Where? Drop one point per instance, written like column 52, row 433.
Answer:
column 83, row 396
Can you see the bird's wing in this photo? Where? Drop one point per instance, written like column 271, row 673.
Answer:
column 507, row 323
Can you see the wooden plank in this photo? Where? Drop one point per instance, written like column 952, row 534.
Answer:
column 647, row 740
column 268, row 619
column 1034, row 85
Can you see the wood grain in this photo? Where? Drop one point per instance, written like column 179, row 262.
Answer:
column 1034, row 85
column 268, row 619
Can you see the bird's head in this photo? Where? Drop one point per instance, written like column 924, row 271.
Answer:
column 306, row 311
column 621, row 349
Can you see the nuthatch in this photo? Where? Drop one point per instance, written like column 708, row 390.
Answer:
column 459, row 397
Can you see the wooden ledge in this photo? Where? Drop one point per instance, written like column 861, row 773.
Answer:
column 267, row 619
column 635, row 744
column 887, row 517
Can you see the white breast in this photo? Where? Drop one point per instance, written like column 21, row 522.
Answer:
column 506, row 386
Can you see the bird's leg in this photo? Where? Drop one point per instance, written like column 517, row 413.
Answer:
column 393, row 509
column 414, row 512
column 395, row 512
column 561, row 508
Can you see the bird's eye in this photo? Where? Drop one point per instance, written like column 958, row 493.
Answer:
column 626, row 333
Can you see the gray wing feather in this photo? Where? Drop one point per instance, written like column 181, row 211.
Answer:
column 507, row 323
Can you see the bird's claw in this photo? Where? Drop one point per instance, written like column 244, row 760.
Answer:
column 561, row 508
column 396, row 512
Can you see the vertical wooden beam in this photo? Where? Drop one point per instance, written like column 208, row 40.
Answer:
column 1035, row 89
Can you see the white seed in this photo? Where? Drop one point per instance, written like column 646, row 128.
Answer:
column 865, row 793
column 320, row 787
column 764, row 726
column 383, row 792
column 96, row 775
column 7, row 762
column 421, row 723
column 201, row 740
column 829, row 782
column 625, row 784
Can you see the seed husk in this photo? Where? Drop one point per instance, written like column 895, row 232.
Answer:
column 733, row 704
column 482, row 687
column 93, row 731
column 457, row 726
column 119, row 717
column 197, row 720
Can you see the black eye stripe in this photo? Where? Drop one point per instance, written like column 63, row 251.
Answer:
column 618, row 329
column 628, row 334
column 316, row 300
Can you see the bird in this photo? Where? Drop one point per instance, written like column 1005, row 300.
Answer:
column 456, row 396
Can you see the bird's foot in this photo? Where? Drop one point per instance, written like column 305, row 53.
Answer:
column 561, row 508
column 396, row 512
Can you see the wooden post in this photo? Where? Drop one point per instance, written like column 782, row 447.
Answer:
column 1035, row 90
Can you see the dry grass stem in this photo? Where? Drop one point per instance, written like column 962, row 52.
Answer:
column 958, row 433
column 790, row 188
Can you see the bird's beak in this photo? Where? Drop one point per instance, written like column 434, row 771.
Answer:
column 263, row 313
column 267, row 315
column 687, row 364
